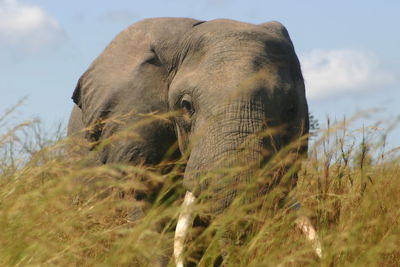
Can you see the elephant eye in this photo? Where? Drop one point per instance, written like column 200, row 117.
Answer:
column 187, row 105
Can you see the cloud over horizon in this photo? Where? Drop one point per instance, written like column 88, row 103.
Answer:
column 334, row 72
column 27, row 28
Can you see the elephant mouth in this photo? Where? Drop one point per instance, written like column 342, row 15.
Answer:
column 217, row 191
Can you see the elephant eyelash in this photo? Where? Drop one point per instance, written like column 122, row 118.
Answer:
column 186, row 104
column 188, row 107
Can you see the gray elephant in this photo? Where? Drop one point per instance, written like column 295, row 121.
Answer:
column 225, row 83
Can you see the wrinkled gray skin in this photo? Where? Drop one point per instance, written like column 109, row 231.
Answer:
column 228, row 80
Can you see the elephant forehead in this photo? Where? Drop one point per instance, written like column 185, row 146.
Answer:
column 224, row 40
column 234, row 62
column 238, row 79
column 226, row 33
column 225, row 27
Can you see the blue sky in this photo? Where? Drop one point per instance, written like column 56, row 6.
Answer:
column 348, row 49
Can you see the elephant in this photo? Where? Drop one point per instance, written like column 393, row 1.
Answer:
column 223, row 82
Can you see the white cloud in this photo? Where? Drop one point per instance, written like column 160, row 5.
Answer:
column 335, row 72
column 27, row 28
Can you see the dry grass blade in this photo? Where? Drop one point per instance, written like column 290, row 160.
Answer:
column 56, row 209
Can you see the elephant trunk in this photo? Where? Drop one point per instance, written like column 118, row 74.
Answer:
column 225, row 158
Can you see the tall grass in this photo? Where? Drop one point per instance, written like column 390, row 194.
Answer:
column 58, row 209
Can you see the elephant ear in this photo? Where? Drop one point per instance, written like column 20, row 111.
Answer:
column 277, row 30
column 130, row 79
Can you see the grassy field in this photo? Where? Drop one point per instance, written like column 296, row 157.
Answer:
column 57, row 209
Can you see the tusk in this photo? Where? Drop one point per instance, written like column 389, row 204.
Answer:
column 311, row 234
column 184, row 221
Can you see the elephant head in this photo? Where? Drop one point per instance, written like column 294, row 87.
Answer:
column 226, row 82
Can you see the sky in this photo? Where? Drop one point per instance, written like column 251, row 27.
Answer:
column 348, row 49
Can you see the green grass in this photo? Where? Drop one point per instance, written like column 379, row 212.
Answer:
column 57, row 209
